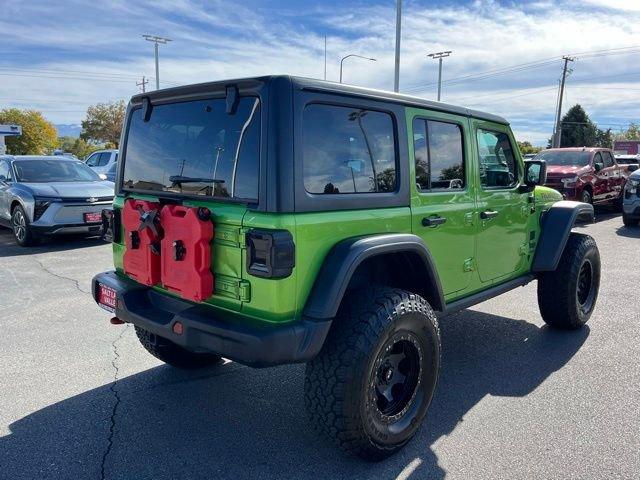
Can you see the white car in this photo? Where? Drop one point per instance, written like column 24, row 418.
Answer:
column 101, row 160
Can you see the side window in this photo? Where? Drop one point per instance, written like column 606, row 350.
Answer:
column 597, row 158
column 93, row 160
column 104, row 159
column 498, row 166
column 5, row 170
column 348, row 150
column 439, row 158
column 608, row 159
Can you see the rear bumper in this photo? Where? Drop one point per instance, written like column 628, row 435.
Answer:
column 631, row 209
column 206, row 329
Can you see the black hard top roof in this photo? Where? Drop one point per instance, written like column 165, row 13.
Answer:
column 328, row 87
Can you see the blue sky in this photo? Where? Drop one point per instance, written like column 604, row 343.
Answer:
column 60, row 57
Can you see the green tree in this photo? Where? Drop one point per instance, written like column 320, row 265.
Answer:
column 39, row 136
column 104, row 123
column 526, row 147
column 631, row 133
column 579, row 131
column 78, row 146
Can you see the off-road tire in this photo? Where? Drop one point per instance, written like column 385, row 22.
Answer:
column 21, row 227
column 172, row 353
column 564, row 300
column 341, row 395
column 628, row 221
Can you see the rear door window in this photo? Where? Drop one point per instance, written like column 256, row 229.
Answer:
column 348, row 150
column 195, row 148
column 439, row 159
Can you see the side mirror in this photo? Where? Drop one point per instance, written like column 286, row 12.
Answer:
column 632, row 168
column 535, row 172
column 598, row 166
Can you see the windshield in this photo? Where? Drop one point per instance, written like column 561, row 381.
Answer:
column 566, row 158
column 195, row 148
column 48, row 171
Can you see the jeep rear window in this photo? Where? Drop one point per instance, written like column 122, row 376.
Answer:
column 195, row 148
column 348, row 150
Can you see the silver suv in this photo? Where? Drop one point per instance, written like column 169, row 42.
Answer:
column 631, row 200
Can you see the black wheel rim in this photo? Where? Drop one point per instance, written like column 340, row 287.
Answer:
column 396, row 375
column 585, row 291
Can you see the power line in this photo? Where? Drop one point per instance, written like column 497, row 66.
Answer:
column 526, row 66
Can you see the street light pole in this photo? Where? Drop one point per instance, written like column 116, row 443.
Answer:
column 439, row 56
column 352, row 55
column 396, row 76
column 156, row 40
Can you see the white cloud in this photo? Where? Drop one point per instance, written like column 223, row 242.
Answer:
column 212, row 41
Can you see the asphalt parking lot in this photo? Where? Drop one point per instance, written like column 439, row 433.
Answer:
column 81, row 399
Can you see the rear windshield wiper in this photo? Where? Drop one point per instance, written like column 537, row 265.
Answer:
column 179, row 180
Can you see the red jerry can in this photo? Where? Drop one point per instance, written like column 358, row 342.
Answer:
column 186, row 251
column 141, row 261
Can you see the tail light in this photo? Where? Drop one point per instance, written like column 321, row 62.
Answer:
column 270, row 253
column 111, row 225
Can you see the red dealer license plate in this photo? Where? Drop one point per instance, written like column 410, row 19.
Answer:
column 107, row 297
column 93, row 217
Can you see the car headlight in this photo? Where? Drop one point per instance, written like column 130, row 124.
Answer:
column 632, row 186
column 569, row 181
column 41, row 204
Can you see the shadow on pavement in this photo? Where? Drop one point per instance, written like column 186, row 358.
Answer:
column 630, row 232
column 234, row 422
column 9, row 247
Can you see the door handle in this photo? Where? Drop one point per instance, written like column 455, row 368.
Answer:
column 487, row 214
column 433, row 221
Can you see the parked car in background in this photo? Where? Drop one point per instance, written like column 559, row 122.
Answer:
column 50, row 195
column 631, row 201
column 62, row 153
column 589, row 175
column 101, row 160
column 628, row 160
column 111, row 173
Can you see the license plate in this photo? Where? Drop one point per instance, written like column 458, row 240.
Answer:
column 107, row 298
column 92, row 217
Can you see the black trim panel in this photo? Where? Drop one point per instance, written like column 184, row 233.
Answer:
column 207, row 329
column 556, row 226
column 345, row 257
column 487, row 294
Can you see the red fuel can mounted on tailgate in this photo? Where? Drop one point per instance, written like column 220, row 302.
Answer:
column 140, row 220
column 186, row 251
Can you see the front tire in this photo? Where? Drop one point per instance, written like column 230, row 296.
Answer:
column 172, row 353
column 567, row 297
column 585, row 197
column 628, row 221
column 21, row 228
column 370, row 386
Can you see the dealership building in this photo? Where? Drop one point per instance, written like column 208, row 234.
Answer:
column 626, row 147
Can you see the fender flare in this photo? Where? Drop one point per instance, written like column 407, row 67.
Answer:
column 346, row 256
column 556, row 225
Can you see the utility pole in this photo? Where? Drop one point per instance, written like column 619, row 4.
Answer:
column 396, row 78
column 325, row 57
column 439, row 56
column 558, row 137
column 156, row 40
column 143, row 84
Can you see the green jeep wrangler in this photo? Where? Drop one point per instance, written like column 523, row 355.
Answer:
column 276, row 220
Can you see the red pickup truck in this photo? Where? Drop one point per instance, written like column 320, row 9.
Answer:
column 589, row 175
